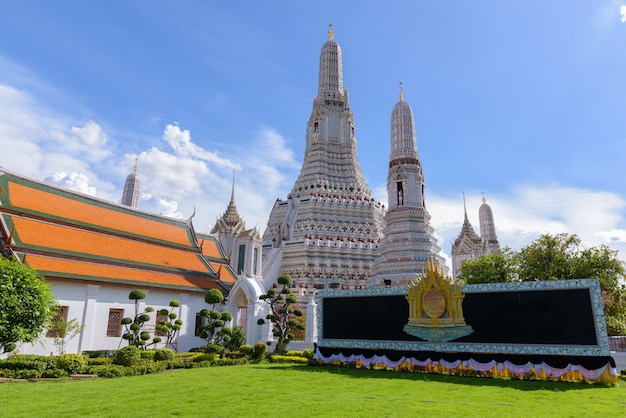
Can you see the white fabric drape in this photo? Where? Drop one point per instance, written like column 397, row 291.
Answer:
column 472, row 364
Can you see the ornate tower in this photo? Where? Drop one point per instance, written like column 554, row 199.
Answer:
column 329, row 227
column 132, row 188
column 468, row 245
column 242, row 246
column 408, row 242
column 488, row 228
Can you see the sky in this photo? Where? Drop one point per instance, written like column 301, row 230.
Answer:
column 524, row 102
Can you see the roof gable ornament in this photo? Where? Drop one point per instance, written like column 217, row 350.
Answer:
column 435, row 307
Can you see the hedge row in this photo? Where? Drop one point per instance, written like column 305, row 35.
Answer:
column 130, row 361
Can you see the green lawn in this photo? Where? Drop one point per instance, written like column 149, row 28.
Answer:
column 280, row 390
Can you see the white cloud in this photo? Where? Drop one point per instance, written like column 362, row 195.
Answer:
column 269, row 169
column 91, row 134
column 613, row 236
column 163, row 174
column 169, row 208
column 622, row 12
column 180, row 141
column 73, row 181
column 37, row 142
column 596, row 216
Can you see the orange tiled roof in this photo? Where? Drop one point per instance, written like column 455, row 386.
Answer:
column 44, row 236
column 84, row 270
column 70, row 235
column 212, row 250
column 40, row 199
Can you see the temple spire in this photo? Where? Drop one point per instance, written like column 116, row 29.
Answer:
column 331, row 33
column 232, row 192
column 401, row 96
column 465, row 208
column 132, row 189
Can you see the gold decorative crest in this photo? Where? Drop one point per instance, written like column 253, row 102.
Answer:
column 436, row 307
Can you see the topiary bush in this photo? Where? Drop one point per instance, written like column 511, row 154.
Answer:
column 71, row 363
column 148, row 354
column 163, row 354
column 127, row 356
column 246, row 349
column 308, row 353
column 259, row 350
column 214, row 349
column 205, row 357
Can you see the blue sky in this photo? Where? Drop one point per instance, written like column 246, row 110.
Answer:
column 524, row 101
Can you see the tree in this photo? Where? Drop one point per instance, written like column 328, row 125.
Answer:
column 235, row 338
column 63, row 331
column 491, row 268
column 26, row 304
column 214, row 330
column 282, row 316
column 558, row 257
column 135, row 334
column 171, row 326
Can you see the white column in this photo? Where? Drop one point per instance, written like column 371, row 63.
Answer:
column 89, row 320
column 311, row 322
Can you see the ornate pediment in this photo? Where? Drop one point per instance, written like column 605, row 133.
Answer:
column 436, row 307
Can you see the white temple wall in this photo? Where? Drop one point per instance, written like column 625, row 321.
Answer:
column 90, row 305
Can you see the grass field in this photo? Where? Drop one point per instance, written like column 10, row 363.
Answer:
column 280, row 390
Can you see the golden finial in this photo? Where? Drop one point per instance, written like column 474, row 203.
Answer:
column 484, row 200
column 401, row 92
column 9, row 239
column 135, row 167
column 331, row 33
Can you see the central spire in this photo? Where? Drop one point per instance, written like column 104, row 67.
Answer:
column 331, row 69
column 330, row 158
column 329, row 226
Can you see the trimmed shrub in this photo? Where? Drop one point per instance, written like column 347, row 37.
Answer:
column 148, row 354
column 259, row 350
column 288, row 359
column 28, row 362
column 163, row 354
column 214, row 349
column 99, row 353
column 8, row 373
column 309, row 353
column 294, row 353
column 187, row 354
column 71, row 363
column 246, row 349
column 54, row 373
column 205, row 357
column 99, row 361
column 235, row 354
column 109, row 370
column 27, row 374
column 127, row 356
